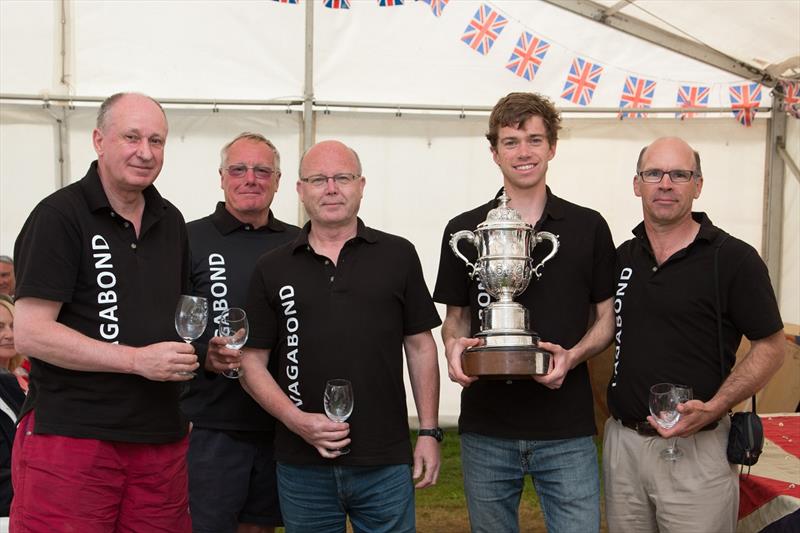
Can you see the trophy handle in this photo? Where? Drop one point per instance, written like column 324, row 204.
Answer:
column 546, row 236
column 464, row 234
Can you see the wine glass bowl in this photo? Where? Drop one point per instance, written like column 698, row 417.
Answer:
column 191, row 318
column 235, row 329
column 338, row 403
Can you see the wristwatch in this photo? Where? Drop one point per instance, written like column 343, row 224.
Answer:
column 436, row 433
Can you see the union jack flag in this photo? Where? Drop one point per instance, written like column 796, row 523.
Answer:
column 437, row 6
column 286, row 1
column 337, row 4
column 527, row 56
column 581, row 82
column 791, row 98
column 744, row 102
column 390, row 3
column 483, row 29
column 692, row 96
column 637, row 93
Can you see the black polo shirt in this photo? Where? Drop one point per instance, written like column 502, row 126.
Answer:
column 561, row 304
column 115, row 288
column 323, row 321
column 666, row 315
column 224, row 252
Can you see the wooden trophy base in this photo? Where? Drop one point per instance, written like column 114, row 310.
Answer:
column 505, row 362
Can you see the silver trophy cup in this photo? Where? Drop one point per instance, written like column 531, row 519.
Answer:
column 504, row 267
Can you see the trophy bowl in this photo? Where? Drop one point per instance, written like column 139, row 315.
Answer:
column 505, row 276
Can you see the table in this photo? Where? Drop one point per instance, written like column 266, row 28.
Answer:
column 772, row 490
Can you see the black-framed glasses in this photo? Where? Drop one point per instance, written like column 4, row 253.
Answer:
column 320, row 180
column 655, row 175
column 239, row 171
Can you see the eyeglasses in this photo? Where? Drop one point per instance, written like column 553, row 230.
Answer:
column 239, row 171
column 655, row 175
column 320, row 180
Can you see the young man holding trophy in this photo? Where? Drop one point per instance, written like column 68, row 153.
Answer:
column 526, row 405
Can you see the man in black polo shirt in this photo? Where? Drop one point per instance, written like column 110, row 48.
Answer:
column 101, row 264
column 231, row 464
column 669, row 278
column 541, row 427
column 342, row 301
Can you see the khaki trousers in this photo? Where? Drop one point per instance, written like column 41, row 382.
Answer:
column 644, row 493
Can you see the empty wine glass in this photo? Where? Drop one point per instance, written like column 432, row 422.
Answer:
column 682, row 394
column 664, row 407
column 338, row 402
column 191, row 317
column 234, row 328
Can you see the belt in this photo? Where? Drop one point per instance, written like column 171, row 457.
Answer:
column 644, row 428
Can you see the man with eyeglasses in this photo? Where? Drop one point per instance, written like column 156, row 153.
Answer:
column 7, row 280
column 342, row 301
column 674, row 277
column 541, row 427
column 232, row 484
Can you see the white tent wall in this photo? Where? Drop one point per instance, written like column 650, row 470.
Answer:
column 422, row 168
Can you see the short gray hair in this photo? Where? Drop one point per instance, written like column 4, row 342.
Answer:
column 6, row 259
column 253, row 137
column 697, row 169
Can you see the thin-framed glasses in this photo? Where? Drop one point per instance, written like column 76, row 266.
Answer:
column 239, row 171
column 321, row 180
column 655, row 175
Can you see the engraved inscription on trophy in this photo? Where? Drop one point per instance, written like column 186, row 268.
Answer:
column 504, row 266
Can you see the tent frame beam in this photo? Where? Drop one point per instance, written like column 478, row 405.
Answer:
column 612, row 18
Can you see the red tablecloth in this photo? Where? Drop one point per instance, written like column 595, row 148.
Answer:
column 772, row 490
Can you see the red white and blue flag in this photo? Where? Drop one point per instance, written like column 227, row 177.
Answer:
column 791, row 97
column 744, row 102
column 484, row 28
column 527, row 56
column 437, row 6
column 637, row 93
column 692, row 96
column 390, row 3
column 582, row 80
column 337, row 4
column 286, row 1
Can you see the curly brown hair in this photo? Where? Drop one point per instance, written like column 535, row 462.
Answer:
column 515, row 108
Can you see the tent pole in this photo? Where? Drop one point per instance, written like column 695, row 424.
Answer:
column 772, row 237
column 308, row 97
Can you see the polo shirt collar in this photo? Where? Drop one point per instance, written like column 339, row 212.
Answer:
column 708, row 232
column 363, row 233
column 97, row 199
column 226, row 223
column 553, row 207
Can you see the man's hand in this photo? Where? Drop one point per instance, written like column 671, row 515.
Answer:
column 320, row 432
column 426, row 461
column 560, row 364
column 453, row 351
column 695, row 415
column 219, row 358
column 165, row 361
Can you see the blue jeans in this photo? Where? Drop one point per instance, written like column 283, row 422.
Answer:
column 564, row 473
column 317, row 499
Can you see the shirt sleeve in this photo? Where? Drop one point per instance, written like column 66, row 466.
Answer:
column 751, row 303
column 419, row 311
column 604, row 262
column 47, row 256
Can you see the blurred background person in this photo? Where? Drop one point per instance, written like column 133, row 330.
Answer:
column 12, row 394
column 7, row 280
